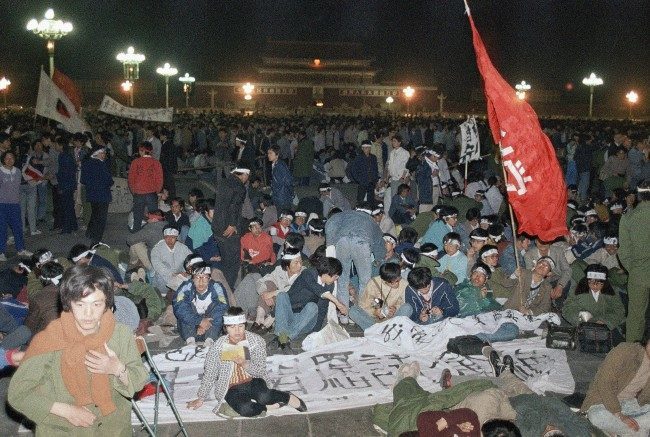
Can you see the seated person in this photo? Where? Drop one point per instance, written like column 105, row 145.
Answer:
column 315, row 236
column 80, row 254
column 382, row 299
column 199, row 306
column 477, row 239
column 40, row 257
column 236, row 363
column 618, row 399
column 608, row 257
column 408, row 260
column 432, row 299
column 167, row 258
column 14, row 279
column 500, row 283
column 473, row 294
column 177, row 218
column 267, row 212
column 402, row 206
column 299, row 224
column 193, row 197
column 303, row 308
column 390, row 242
column 507, row 258
column 471, row 223
column 141, row 242
column 446, row 223
column 45, row 306
column 257, row 254
column 594, row 300
column 406, row 239
column 453, row 260
column 281, row 228
column 384, row 221
column 534, row 297
column 332, row 198
column 268, row 287
column 200, row 237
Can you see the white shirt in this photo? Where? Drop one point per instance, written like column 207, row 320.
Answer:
column 202, row 305
column 396, row 164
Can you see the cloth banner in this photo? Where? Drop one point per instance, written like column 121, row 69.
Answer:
column 52, row 102
column 162, row 115
column 470, row 143
column 361, row 371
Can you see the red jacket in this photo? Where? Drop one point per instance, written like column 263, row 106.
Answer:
column 257, row 250
column 145, row 175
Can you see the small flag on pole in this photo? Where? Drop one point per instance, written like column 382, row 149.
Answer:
column 55, row 103
column 470, row 144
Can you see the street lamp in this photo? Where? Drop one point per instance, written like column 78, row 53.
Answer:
column 187, row 86
column 4, row 87
column 592, row 81
column 50, row 30
column 131, row 62
column 408, row 93
column 632, row 97
column 127, row 87
column 389, row 101
column 167, row 71
column 521, row 88
column 248, row 89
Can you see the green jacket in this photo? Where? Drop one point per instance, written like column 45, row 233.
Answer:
column 304, row 159
column 634, row 240
column 608, row 308
column 422, row 222
column 471, row 301
column 152, row 298
column 37, row 384
column 501, row 284
column 463, row 204
column 431, row 263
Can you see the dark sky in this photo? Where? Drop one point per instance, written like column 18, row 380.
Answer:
column 546, row 42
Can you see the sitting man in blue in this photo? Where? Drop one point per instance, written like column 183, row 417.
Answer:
column 81, row 254
column 432, row 299
column 446, row 223
column 303, row 308
column 199, row 306
column 402, row 206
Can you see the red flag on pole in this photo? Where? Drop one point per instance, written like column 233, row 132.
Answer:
column 536, row 188
column 70, row 89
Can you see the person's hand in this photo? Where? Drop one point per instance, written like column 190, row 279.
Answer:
column 215, row 258
column 557, row 291
column 436, row 311
column 230, row 230
column 484, row 291
column 441, row 424
column 239, row 361
column 17, row 356
column 466, row 427
column 79, row 416
column 204, row 326
column 195, row 404
column 424, row 315
column 121, row 286
column 525, row 311
column 629, row 422
column 342, row 308
column 518, row 272
column 391, row 311
column 107, row 364
column 471, row 252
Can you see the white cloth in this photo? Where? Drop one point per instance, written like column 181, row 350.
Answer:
column 396, row 163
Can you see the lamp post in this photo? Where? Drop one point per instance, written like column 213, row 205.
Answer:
column 592, row 81
column 4, row 87
column 50, row 30
column 131, row 63
column 408, row 93
column 127, row 87
column 389, row 101
column 248, row 89
column 522, row 87
column 632, row 97
column 167, row 71
column 187, row 87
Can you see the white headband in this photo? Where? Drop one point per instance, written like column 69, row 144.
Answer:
column 490, row 252
column 548, row 260
column 367, row 211
column 390, row 238
column 431, row 254
column 610, row 240
column 291, row 256
column 83, row 254
column 202, row 271
column 450, row 215
column 366, row 145
column 241, row 140
column 55, row 280
column 193, row 261
column 484, row 220
column 453, row 241
column 643, row 190
column 96, row 153
column 597, row 275
column 313, row 229
column 376, row 212
column 240, row 170
column 480, row 270
column 496, row 238
column 406, row 260
column 47, row 256
column 234, row 320
column 479, row 238
column 323, row 189
column 24, row 267
column 615, row 206
column 301, row 214
column 170, row 232
column 591, row 212
column 456, row 193
column 287, row 216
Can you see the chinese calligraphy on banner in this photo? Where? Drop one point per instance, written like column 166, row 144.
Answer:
column 470, row 144
column 161, row 115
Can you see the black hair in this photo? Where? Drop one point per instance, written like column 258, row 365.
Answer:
column 295, row 240
column 49, row 270
column 196, row 192
column 407, row 234
column 472, row 214
column 484, row 249
column 77, row 250
column 234, row 311
column 284, row 263
column 412, row 255
column 328, row 266
column 390, row 272
column 80, row 281
column 484, row 266
column 318, row 254
column 255, row 220
column 188, row 258
column 204, row 205
column 645, row 195
column 419, row 277
column 583, row 284
column 479, row 232
column 180, row 201
column 495, row 229
column 275, row 148
column 37, row 254
column 428, row 247
column 333, row 211
column 4, row 155
column 451, row 236
column 500, row 428
column 402, row 188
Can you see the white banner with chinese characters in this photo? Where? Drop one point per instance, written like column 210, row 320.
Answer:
column 470, row 145
column 161, row 115
column 361, row 371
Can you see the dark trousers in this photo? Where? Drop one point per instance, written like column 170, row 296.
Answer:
column 240, row 397
column 66, row 213
column 97, row 223
column 140, row 202
column 56, row 207
column 169, row 183
column 229, row 249
column 367, row 191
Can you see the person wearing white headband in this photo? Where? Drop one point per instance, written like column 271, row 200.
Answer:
column 44, row 305
column 299, row 224
column 595, row 300
column 199, row 306
column 236, row 367
column 281, row 228
column 97, row 179
column 315, row 237
column 363, row 170
column 533, row 297
column 561, row 272
column 257, row 254
column 244, row 156
column 454, row 260
column 167, row 258
column 390, row 242
column 446, row 223
column 474, row 295
column 607, row 256
column 332, row 198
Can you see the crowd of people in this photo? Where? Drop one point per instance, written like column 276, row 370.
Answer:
column 420, row 238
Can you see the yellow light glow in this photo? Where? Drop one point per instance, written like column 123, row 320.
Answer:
column 632, row 97
column 408, row 92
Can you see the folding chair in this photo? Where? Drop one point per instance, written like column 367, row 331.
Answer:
column 160, row 384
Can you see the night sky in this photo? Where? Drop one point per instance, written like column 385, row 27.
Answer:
column 546, row 42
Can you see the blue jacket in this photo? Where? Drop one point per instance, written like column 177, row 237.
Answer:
column 67, row 173
column 96, row 176
column 398, row 212
column 425, row 184
column 281, row 185
column 508, row 262
column 209, row 249
column 443, row 297
column 185, row 311
column 356, row 224
column 103, row 263
column 363, row 170
column 436, row 233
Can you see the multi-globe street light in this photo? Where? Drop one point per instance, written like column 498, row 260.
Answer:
column 167, row 71
column 522, row 87
column 187, row 87
column 632, row 97
column 131, row 63
column 248, row 89
column 4, row 87
column 592, row 81
column 50, row 30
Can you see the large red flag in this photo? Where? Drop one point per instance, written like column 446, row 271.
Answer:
column 536, row 188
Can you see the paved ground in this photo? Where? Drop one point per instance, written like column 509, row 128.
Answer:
column 355, row 422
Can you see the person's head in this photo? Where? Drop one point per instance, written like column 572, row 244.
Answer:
column 480, row 274
column 407, row 235
column 329, row 269
column 489, row 254
column 450, row 215
column 234, row 322
column 522, row 242
column 478, row 238
column 273, row 154
column 145, row 148
column 41, row 256
column 429, row 250
column 86, row 292
column 155, row 216
column 205, row 207
column 419, row 279
column 51, row 272
column 611, row 244
column 8, row 159
column 391, row 274
column 300, row 218
column 500, row 428
column 81, row 254
column 5, row 141
column 294, row 240
column 544, row 266
column 473, row 215
column 495, row 232
column 366, row 147
column 451, row 243
column 543, row 246
column 324, row 189
column 316, row 226
column 170, row 235
column 389, row 242
column 291, row 262
column 403, row 190
column 595, row 280
column 643, row 190
column 285, row 218
column 255, row 226
column 190, row 261
column 410, row 257
column 177, row 205
column 242, row 174
column 195, row 194
column 201, row 276
column 396, row 141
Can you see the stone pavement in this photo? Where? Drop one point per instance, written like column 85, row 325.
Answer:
column 353, row 422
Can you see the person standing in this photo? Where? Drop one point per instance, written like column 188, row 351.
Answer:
column 304, row 158
column 96, row 177
column 10, row 204
column 66, row 185
column 225, row 226
column 396, row 172
column 168, row 161
column 634, row 240
column 145, row 181
column 156, row 145
column 364, row 171
column 281, row 179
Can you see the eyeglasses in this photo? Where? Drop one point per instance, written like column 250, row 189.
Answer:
column 202, row 277
column 595, row 281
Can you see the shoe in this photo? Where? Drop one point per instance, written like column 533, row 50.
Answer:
column 25, row 253
column 303, row 407
column 445, row 379
column 495, row 362
column 36, row 232
column 508, row 364
column 134, row 276
column 190, row 341
column 3, row 257
column 10, row 241
column 141, row 275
